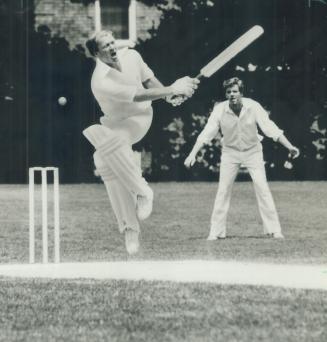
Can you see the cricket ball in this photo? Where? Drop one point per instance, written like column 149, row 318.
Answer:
column 62, row 101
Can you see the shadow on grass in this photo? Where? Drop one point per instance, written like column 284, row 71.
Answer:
column 230, row 237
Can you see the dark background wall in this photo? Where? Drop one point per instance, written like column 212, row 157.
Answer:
column 285, row 70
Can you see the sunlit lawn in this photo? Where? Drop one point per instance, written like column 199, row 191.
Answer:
column 90, row 310
column 178, row 226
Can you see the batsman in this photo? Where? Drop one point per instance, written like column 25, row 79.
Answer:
column 124, row 86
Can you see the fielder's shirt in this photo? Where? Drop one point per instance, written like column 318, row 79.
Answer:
column 115, row 90
column 239, row 132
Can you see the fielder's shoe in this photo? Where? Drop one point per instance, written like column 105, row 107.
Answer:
column 215, row 237
column 144, row 206
column 132, row 241
column 277, row 235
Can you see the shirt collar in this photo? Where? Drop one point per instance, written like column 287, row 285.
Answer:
column 245, row 102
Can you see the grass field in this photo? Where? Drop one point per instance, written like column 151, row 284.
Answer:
column 90, row 310
column 178, row 226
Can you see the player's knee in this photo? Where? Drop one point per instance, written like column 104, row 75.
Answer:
column 102, row 169
column 260, row 182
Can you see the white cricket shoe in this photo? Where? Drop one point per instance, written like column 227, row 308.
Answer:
column 277, row 235
column 144, row 206
column 215, row 237
column 132, row 241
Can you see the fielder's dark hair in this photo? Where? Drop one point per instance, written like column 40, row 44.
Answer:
column 92, row 42
column 234, row 81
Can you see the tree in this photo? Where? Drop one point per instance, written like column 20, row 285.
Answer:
column 35, row 70
column 283, row 70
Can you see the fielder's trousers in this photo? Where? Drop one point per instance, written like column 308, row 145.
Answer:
column 252, row 159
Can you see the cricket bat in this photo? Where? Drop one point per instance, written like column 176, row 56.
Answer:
column 231, row 51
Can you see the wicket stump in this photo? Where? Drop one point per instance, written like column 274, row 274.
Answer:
column 44, row 195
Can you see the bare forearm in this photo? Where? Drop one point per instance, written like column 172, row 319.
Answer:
column 152, row 94
column 155, row 90
column 284, row 141
column 191, row 158
column 152, row 83
column 196, row 148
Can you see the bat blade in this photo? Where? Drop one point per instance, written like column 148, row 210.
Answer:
column 232, row 50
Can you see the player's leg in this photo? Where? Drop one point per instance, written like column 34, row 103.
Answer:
column 228, row 170
column 267, row 208
column 123, row 203
column 117, row 154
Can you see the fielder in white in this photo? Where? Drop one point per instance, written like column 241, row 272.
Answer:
column 237, row 118
column 124, row 87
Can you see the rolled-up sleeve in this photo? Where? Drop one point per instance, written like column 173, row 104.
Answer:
column 268, row 127
column 211, row 129
column 146, row 72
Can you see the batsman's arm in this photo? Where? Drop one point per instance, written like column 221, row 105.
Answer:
column 155, row 90
column 172, row 99
column 152, row 94
column 152, row 82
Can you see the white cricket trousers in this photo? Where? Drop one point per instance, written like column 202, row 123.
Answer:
column 118, row 168
column 122, row 200
column 231, row 160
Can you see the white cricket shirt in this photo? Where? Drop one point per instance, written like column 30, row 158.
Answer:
column 114, row 90
column 239, row 132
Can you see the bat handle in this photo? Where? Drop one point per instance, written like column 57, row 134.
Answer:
column 183, row 97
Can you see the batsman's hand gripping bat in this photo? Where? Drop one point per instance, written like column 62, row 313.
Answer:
column 231, row 51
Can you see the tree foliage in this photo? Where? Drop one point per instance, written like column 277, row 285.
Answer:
column 36, row 69
column 285, row 70
column 84, row 2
